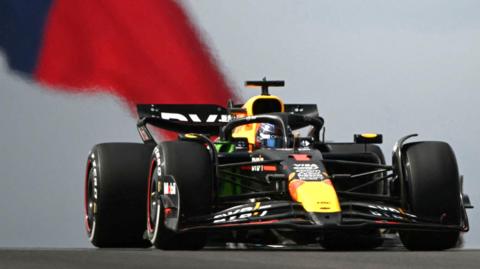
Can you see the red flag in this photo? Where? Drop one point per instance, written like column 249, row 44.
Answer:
column 145, row 51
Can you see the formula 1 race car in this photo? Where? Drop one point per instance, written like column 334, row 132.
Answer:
column 263, row 173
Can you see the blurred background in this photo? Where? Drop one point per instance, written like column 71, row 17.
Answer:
column 392, row 67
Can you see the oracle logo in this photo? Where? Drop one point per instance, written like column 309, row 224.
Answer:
column 211, row 118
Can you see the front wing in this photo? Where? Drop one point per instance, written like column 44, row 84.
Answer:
column 291, row 215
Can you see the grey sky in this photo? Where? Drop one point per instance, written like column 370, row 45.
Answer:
column 395, row 67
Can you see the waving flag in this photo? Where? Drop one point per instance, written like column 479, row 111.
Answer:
column 145, row 51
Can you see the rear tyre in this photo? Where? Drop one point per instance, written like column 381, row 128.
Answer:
column 433, row 186
column 189, row 165
column 115, row 194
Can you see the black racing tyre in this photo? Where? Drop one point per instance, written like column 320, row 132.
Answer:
column 433, row 187
column 115, row 194
column 189, row 165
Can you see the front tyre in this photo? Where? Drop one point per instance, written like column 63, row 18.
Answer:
column 433, row 186
column 180, row 186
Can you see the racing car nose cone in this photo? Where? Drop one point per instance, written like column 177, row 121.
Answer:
column 326, row 219
column 315, row 196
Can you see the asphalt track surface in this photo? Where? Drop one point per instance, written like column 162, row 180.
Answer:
column 244, row 259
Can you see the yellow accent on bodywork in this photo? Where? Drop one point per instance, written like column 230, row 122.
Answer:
column 318, row 196
column 248, row 106
column 370, row 136
column 249, row 131
column 193, row 136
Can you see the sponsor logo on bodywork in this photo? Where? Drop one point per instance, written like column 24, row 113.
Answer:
column 194, row 117
column 386, row 211
column 308, row 171
column 241, row 213
column 260, row 168
column 257, row 168
column 143, row 133
column 169, row 188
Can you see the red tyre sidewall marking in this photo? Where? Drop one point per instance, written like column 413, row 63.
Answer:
column 150, row 176
column 89, row 166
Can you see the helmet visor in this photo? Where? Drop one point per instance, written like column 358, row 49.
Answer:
column 272, row 142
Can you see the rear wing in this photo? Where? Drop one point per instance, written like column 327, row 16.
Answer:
column 195, row 118
column 204, row 119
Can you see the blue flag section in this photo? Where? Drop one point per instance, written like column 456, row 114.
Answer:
column 21, row 31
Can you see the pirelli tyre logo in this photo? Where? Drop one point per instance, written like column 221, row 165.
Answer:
column 156, row 152
column 241, row 213
column 95, row 177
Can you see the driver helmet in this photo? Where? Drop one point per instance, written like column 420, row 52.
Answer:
column 268, row 136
